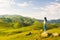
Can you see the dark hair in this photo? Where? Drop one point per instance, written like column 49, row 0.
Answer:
column 45, row 18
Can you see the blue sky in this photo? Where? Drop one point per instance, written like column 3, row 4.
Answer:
column 31, row 8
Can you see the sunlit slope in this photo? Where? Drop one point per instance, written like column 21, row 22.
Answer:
column 35, row 35
column 22, row 36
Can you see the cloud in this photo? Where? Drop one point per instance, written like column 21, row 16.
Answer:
column 4, row 3
column 57, row 0
column 25, row 4
column 51, row 11
column 6, row 7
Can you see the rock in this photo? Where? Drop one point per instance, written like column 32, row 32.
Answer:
column 28, row 34
column 44, row 34
column 55, row 34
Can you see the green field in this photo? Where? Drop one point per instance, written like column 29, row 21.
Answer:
column 25, row 28
column 16, row 34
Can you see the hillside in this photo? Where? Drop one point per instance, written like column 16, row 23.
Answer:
column 16, row 27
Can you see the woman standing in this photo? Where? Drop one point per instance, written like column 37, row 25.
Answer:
column 45, row 20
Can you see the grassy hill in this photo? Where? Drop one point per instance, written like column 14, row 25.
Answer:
column 25, row 28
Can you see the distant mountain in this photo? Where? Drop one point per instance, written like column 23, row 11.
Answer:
column 55, row 21
column 51, row 21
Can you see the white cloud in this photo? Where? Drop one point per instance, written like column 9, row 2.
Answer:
column 4, row 3
column 25, row 4
column 52, row 11
column 6, row 7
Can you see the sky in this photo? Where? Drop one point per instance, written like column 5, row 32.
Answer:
column 32, row 8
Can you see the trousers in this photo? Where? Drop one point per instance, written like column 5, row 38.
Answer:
column 44, row 27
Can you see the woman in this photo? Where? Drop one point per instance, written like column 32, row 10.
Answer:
column 45, row 20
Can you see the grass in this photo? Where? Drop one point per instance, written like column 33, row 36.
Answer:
column 15, row 34
column 21, row 28
column 20, row 33
column 54, row 30
column 22, row 36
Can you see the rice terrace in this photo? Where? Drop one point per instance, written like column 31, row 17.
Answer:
column 25, row 28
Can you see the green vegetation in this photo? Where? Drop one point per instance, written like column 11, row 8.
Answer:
column 25, row 28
